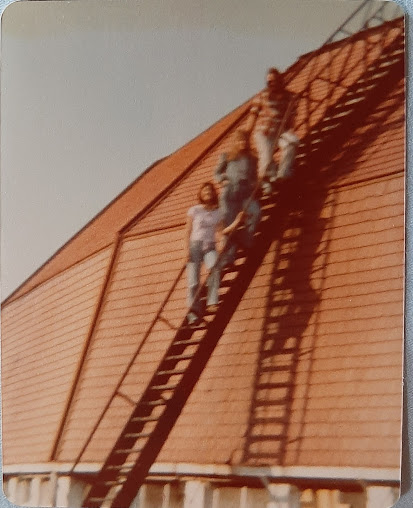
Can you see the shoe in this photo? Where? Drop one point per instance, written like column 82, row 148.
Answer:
column 266, row 188
column 212, row 309
column 193, row 319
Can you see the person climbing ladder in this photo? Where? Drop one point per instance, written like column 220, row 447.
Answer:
column 237, row 175
column 266, row 122
column 205, row 228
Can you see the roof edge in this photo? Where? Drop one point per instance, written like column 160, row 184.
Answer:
column 20, row 289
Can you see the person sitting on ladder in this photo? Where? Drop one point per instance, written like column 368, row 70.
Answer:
column 266, row 121
column 204, row 225
column 237, row 174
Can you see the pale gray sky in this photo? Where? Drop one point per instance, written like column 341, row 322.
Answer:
column 93, row 92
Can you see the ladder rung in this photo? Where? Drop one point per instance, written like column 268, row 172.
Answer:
column 137, row 435
column 179, row 357
column 192, row 327
column 145, row 419
column 188, row 342
column 118, row 467
column 158, row 402
column 163, row 387
column 127, row 451
column 171, row 372
column 114, row 482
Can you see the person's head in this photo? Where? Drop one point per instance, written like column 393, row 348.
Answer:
column 274, row 79
column 207, row 194
column 240, row 144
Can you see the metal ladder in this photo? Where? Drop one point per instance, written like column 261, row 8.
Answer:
column 163, row 399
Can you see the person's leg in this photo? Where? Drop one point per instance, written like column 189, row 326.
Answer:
column 193, row 274
column 232, row 207
column 228, row 256
column 225, row 204
column 214, row 277
column 253, row 217
column 288, row 143
column 228, row 204
column 265, row 152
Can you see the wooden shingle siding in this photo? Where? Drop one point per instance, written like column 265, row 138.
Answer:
column 51, row 323
column 317, row 336
column 350, row 366
column 127, row 311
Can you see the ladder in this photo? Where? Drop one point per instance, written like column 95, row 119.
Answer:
column 155, row 414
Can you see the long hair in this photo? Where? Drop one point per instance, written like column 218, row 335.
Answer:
column 214, row 193
column 234, row 151
column 280, row 78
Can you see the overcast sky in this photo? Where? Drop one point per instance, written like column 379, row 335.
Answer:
column 94, row 92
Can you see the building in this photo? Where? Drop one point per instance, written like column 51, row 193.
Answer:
column 299, row 404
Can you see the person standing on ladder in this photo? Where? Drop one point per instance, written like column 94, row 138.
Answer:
column 237, row 175
column 267, row 123
column 204, row 226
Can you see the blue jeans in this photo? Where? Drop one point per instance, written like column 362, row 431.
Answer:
column 245, row 237
column 197, row 255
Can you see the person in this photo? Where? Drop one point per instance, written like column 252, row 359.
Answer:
column 266, row 122
column 237, row 174
column 204, row 227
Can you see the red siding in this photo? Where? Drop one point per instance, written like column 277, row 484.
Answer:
column 325, row 310
column 42, row 338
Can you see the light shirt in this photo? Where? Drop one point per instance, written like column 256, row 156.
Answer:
column 270, row 111
column 204, row 225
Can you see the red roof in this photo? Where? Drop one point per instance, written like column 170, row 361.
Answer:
column 328, row 297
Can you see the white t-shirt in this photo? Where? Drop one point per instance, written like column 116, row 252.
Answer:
column 204, row 224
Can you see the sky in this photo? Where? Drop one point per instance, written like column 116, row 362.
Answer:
column 95, row 92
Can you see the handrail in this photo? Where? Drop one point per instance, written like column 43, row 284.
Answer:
column 350, row 32
column 202, row 287
column 352, row 16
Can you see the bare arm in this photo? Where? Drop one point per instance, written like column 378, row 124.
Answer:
column 189, row 223
column 220, row 238
column 233, row 226
column 219, row 173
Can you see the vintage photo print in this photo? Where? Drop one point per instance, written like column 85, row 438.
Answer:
column 202, row 253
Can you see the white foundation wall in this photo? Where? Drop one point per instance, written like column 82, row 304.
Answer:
column 66, row 492
column 207, row 494
column 44, row 490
